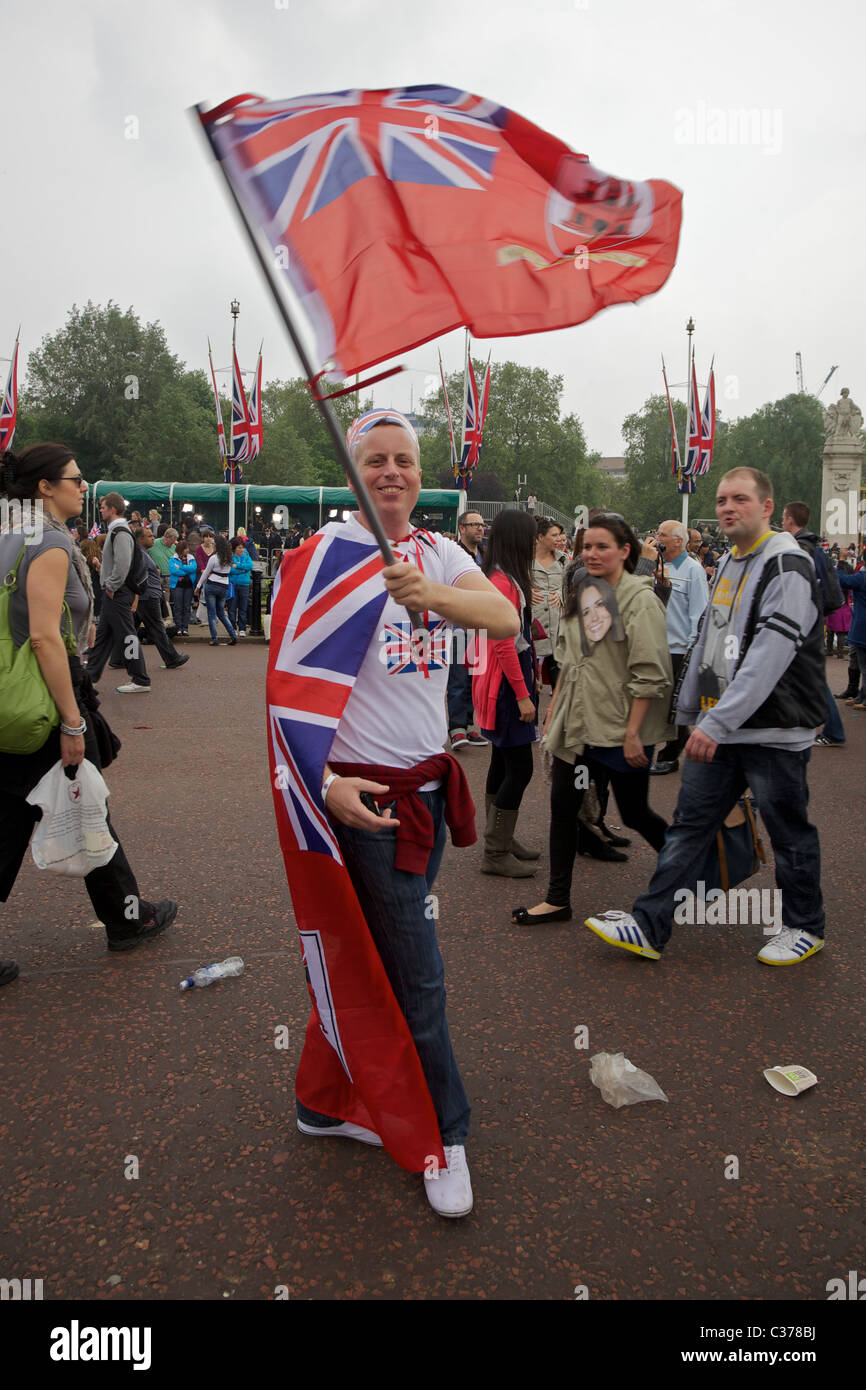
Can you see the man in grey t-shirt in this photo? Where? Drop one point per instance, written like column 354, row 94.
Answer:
column 116, row 629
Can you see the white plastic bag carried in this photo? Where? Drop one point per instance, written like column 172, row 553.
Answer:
column 620, row 1082
column 72, row 836
column 201, row 611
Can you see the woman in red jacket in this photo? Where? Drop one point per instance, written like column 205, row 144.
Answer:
column 505, row 697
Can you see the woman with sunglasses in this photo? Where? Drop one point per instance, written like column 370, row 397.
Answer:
column 51, row 572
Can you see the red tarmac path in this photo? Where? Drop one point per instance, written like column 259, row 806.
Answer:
column 103, row 1058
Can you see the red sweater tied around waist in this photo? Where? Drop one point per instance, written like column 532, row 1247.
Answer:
column 415, row 832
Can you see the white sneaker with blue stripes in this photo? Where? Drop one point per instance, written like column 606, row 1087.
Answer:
column 621, row 929
column 790, row 946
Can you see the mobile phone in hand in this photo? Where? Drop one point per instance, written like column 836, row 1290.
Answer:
column 367, row 800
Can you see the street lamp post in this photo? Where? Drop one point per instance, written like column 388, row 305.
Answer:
column 235, row 308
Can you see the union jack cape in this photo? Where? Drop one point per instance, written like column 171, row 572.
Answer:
column 9, row 408
column 359, row 1062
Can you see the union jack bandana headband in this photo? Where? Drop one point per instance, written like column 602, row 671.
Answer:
column 365, row 423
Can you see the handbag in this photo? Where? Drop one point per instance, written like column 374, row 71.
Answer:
column 27, row 710
column 737, row 852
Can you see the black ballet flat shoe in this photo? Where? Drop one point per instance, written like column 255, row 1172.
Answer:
column 610, row 837
column 522, row 917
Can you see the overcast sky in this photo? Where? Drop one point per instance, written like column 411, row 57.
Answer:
column 770, row 257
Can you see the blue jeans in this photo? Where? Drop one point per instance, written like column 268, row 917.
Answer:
column 237, row 606
column 833, row 728
column 394, row 904
column 708, row 793
column 215, row 599
column 461, row 714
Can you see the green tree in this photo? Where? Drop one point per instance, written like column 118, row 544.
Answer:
column 176, row 440
column 785, row 439
column 90, row 383
column 524, row 433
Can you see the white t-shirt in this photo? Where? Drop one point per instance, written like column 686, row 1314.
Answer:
column 395, row 714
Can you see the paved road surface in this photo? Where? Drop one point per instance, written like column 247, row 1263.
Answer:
column 106, row 1066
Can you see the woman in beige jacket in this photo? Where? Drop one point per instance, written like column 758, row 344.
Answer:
column 611, row 702
column 548, row 571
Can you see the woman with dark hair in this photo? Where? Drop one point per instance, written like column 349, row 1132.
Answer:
column 611, row 702
column 214, row 583
column 51, row 605
column 182, row 570
column 91, row 549
column 548, row 571
column 505, row 697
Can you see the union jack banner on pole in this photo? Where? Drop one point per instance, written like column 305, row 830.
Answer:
column 693, row 450
column 408, row 212
column 240, row 451
column 254, row 412
column 450, row 422
column 708, row 424
column 9, row 408
column 475, row 408
column 676, row 469
column 359, row 1062
column 692, row 458
column 221, row 433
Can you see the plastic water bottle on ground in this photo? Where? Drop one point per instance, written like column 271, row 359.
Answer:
column 209, row 974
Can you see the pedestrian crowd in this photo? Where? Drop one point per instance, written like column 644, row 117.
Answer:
column 671, row 653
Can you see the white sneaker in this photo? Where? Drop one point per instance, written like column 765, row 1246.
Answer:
column 621, row 929
column 790, row 946
column 131, row 689
column 449, row 1190
column 241, row 633
column 343, row 1131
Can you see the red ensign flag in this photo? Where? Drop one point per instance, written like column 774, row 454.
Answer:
column 402, row 214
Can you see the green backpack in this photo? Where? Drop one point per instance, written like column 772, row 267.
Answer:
column 27, row 711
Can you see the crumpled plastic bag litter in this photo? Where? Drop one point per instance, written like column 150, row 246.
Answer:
column 620, row 1082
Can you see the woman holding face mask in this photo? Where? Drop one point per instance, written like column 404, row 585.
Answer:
column 611, row 701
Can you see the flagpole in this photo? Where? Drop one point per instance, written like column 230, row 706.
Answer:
column 331, row 422
column 465, row 403
column 235, row 308
column 690, row 328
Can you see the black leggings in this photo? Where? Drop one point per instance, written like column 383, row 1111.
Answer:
column 630, row 789
column 509, row 774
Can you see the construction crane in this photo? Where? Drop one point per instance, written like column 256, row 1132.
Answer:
column 801, row 387
column 826, row 379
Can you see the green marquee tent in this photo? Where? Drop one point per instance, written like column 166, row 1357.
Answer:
column 311, row 506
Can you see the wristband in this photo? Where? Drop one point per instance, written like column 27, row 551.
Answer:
column 326, row 784
column 73, row 733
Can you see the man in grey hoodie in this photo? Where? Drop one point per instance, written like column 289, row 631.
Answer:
column 753, row 683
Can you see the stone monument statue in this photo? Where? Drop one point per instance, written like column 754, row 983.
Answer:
column 843, row 508
column 843, row 420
